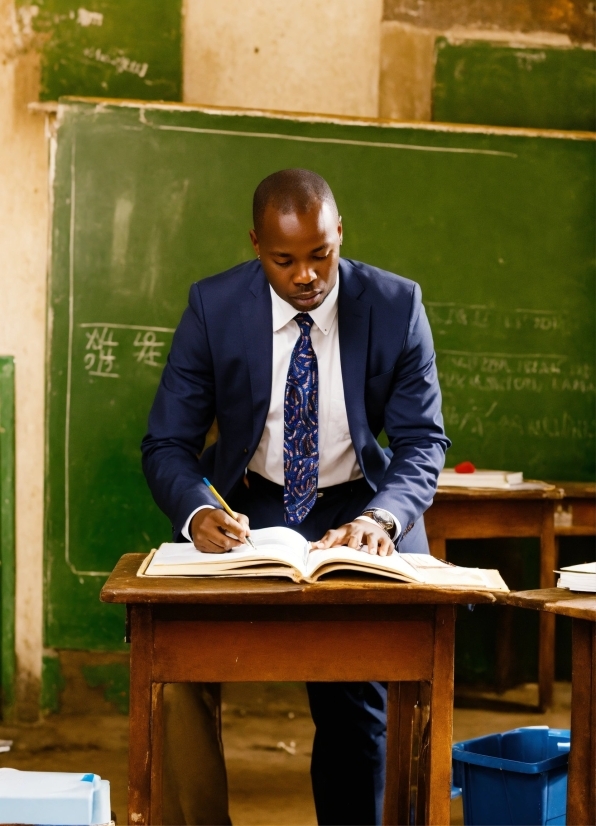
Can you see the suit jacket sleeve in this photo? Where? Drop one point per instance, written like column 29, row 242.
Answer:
column 182, row 413
column 414, row 426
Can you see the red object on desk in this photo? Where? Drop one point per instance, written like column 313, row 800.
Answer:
column 465, row 467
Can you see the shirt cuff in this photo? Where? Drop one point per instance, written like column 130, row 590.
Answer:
column 186, row 529
column 397, row 529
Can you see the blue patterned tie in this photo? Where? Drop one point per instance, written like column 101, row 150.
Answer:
column 301, row 427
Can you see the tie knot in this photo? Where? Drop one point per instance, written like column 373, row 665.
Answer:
column 305, row 322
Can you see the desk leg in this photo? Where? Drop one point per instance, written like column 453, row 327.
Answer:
column 401, row 702
column 156, row 753
column 581, row 787
column 438, row 785
column 546, row 644
column 139, row 750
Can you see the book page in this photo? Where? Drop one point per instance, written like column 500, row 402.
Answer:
column 278, row 545
column 438, row 572
column 395, row 564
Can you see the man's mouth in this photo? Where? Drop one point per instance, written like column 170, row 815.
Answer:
column 307, row 299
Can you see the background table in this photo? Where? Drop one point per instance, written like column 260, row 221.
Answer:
column 575, row 515
column 581, row 788
column 465, row 513
column 223, row 629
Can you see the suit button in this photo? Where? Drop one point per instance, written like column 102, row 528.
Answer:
column 246, row 450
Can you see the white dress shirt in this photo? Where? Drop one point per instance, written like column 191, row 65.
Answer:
column 337, row 459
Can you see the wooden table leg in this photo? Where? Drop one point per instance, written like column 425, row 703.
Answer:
column 401, row 702
column 438, row 785
column 546, row 639
column 581, row 786
column 156, row 753
column 139, row 751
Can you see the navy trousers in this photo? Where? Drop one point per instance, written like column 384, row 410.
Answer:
column 348, row 759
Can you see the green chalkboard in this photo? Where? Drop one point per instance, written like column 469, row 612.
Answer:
column 547, row 88
column 112, row 48
column 497, row 228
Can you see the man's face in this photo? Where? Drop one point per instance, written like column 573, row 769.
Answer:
column 300, row 254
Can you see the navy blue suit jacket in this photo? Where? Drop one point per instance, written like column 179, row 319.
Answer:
column 220, row 366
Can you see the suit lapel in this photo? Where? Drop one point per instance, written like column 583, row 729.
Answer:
column 257, row 327
column 353, row 321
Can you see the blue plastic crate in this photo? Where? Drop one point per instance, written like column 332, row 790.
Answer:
column 518, row 778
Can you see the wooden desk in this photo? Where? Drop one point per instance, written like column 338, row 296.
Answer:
column 581, row 787
column 575, row 515
column 459, row 513
column 222, row 630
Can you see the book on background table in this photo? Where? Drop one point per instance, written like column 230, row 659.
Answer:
column 578, row 577
column 282, row 552
column 502, row 479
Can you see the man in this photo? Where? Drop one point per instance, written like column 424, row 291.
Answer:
column 303, row 358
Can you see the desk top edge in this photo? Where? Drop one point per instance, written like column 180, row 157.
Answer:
column 556, row 601
column 123, row 586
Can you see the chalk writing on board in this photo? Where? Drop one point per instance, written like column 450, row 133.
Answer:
column 103, row 359
column 480, row 419
column 502, row 372
column 119, row 62
column 446, row 315
column 89, row 18
column 100, row 356
column 149, row 348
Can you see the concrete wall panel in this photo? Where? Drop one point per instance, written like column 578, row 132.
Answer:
column 314, row 56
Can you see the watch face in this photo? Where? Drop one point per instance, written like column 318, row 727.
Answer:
column 383, row 518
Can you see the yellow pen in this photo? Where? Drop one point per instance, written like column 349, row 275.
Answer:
column 227, row 508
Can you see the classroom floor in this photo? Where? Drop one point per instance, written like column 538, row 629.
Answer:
column 267, row 736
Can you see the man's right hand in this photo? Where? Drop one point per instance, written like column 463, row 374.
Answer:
column 214, row 532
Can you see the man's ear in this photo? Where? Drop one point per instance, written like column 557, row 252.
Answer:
column 340, row 231
column 254, row 241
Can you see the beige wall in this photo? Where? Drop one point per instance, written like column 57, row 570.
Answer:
column 308, row 56
column 23, row 232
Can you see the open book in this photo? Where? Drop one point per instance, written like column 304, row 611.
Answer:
column 283, row 552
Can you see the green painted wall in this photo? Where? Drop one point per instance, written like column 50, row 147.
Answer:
column 498, row 229
column 546, row 88
column 7, row 536
column 109, row 48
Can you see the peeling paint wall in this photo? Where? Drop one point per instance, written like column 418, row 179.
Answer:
column 23, row 238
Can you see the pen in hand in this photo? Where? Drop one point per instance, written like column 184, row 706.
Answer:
column 227, row 508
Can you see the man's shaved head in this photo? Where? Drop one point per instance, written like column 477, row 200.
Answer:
column 291, row 191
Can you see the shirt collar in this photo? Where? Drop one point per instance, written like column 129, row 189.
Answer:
column 323, row 316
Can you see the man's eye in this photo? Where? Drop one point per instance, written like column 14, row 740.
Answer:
column 320, row 257
column 283, row 263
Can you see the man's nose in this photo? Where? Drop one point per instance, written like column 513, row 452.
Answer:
column 304, row 274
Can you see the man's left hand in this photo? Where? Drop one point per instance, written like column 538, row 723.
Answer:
column 360, row 535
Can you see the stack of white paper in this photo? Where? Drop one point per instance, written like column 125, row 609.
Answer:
column 53, row 797
column 578, row 577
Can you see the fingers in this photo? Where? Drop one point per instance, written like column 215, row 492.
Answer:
column 332, row 539
column 214, row 531
column 357, row 535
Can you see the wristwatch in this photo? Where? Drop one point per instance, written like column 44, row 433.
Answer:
column 384, row 519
